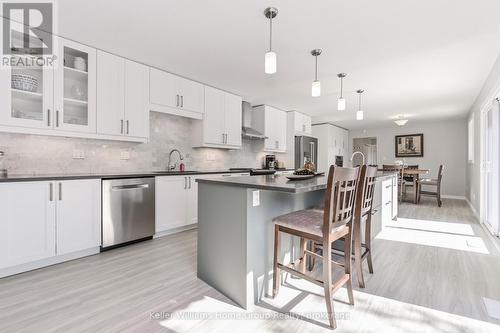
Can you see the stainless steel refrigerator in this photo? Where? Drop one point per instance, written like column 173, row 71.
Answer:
column 306, row 149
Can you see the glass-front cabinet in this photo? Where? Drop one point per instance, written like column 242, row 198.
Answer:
column 75, row 87
column 59, row 97
column 26, row 88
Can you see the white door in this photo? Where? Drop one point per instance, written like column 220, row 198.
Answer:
column 136, row 99
column 27, row 222
column 214, row 117
column 192, row 95
column 232, row 107
column 78, row 215
column 490, row 168
column 171, row 202
column 75, row 87
column 110, row 94
column 164, row 89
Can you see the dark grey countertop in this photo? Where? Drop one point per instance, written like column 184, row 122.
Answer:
column 281, row 183
column 139, row 174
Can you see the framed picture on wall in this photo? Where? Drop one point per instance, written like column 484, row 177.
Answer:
column 410, row 145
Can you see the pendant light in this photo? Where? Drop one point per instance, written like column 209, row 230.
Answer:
column 359, row 113
column 341, row 101
column 270, row 57
column 316, row 85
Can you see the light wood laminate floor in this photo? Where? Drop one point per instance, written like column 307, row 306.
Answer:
column 432, row 269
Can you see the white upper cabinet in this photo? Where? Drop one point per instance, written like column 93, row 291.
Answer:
column 214, row 118
column 175, row 95
column 301, row 123
column 75, row 88
column 136, row 99
column 78, row 215
column 110, row 94
column 233, row 113
column 221, row 124
column 164, row 92
column 27, row 222
column 122, row 97
column 275, row 127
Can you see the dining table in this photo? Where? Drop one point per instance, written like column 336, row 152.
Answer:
column 415, row 174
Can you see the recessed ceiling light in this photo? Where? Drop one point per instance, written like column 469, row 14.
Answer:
column 401, row 121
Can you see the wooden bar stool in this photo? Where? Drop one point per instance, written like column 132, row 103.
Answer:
column 325, row 227
column 363, row 216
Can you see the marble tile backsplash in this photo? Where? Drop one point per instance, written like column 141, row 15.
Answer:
column 28, row 154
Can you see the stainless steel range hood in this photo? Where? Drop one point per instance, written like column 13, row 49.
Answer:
column 250, row 128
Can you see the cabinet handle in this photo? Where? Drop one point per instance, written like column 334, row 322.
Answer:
column 303, row 128
column 388, row 186
column 60, row 191
column 121, row 126
column 57, row 118
column 387, row 203
column 128, row 127
column 189, row 182
column 177, row 100
column 226, row 175
column 182, row 101
column 48, row 117
column 223, row 138
column 51, row 192
column 185, row 183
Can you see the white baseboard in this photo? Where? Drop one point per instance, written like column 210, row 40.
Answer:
column 175, row 230
column 47, row 262
column 474, row 211
column 457, row 197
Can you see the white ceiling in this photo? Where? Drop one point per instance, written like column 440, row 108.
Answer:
column 422, row 58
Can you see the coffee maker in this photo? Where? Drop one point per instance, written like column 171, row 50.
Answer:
column 270, row 162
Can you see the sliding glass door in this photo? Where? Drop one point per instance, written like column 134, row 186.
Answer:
column 490, row 126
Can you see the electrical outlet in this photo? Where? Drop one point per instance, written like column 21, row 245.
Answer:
column 256, row 198
column 125, row 155
column 78, row 154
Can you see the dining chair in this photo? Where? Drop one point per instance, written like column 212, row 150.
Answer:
column 431, row 183
column 334, row 222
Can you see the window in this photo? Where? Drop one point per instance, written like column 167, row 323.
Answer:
column 471, row 139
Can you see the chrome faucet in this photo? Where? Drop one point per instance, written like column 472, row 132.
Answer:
column 172, row 167
column 358, row 152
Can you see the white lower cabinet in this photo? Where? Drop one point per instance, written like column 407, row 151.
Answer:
column 386, row 201
column 27, row 222
column 43, row 219
column 171, row 202
column 177, row 199
column 78, row 219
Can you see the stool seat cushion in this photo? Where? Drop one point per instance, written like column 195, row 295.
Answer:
column 307, row 220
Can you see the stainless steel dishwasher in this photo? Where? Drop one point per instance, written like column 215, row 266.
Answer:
column 128, row 211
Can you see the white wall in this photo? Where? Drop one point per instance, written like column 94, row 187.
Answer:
column 473, row 180
column 445, row 142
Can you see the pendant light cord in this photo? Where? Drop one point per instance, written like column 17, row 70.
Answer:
column 316, row 69
column 359, row 105
column 341, row 86
column 271, row 33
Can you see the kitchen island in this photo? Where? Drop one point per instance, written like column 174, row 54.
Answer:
column 235, row 229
